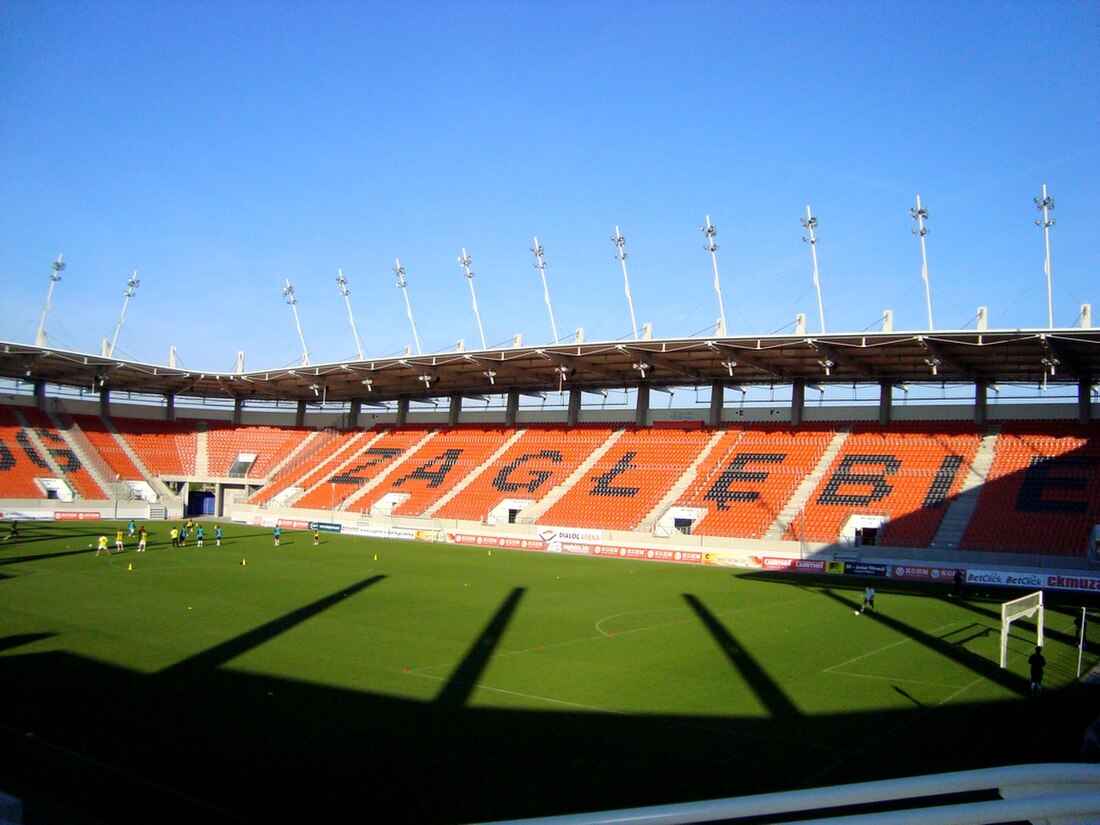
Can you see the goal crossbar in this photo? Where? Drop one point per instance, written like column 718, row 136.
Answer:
column 1022, row 608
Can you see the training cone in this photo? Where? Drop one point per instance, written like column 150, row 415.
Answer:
column 490, row 552
column 243, row 562
column 376, row 557
column 130, row 566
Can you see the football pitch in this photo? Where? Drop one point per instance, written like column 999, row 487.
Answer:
column 439, row 683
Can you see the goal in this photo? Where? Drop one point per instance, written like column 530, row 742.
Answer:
column 1022, row 608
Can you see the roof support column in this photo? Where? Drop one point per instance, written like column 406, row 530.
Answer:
column 354, row 408
column 574, row 415
column 238, row 410
column 170, row 407
column 104, row 402
column 300, row 415
column 511, row 408
column 402, row 411
column 39, row 394
column 717, row 401
column 981, row 401
column 1084, row 399
column 455, row 410
column 885, row 402
column 641, row 412
column 798, row 401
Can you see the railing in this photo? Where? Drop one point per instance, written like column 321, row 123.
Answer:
column 1064, row 793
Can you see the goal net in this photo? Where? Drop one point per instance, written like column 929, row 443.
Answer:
column 1022, row 608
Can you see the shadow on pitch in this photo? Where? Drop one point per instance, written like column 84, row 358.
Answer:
column 207, row 741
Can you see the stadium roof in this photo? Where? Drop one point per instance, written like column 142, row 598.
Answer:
column 1008, row 356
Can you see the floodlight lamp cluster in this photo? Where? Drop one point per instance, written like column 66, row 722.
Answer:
column 288, row 293
column 132, row 283
column 809, row 223
column 399, row 271
column 620, row 243
column 642, row 367
column 58, row 268
column 827, row 364
column 934, row 363
column 1044, row 205
column 710, row 232
column 343, row 282
column 1050, row 363
column 919, row 214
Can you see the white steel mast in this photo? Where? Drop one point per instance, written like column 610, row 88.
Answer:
column 711, row 232
column 288, row 292
column 55, row 276
column 399, row 271
column 540, row 265
column 621, row 256
column 1045, row 204
column 345, row 292
column 131, row 290
column 464, row 262
column 920, row 215
column 810, row 223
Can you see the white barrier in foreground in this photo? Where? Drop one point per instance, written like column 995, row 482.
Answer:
column 1066, row 794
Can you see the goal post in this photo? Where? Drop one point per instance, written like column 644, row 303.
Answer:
column 1022, row 608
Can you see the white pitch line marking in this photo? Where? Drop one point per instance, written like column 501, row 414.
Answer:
column 579, row 706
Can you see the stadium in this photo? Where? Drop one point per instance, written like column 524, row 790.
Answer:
column 588, row 539
column 484, row 606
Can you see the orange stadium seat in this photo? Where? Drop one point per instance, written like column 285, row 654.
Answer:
column 905, row 472
column 20, row 461
column 66, row 458
column 337, row 480
column 306, row 464
column 540, row 460
column 108, row 447
column 629, row 480
column 750, row 475
column 431, row 471
column 167, row 448
column 224, row 443
column 1042, row 493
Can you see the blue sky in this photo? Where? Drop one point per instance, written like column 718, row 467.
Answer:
column 221, row 148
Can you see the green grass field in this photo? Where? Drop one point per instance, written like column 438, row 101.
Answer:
column 441, row 683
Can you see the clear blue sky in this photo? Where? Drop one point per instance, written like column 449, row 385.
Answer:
column 221, row 148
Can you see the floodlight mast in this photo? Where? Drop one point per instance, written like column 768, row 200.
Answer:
column 540, row 265
column 345, row 292
column 399, row 271
column 131, row 290
column 810, row 224
column 621, row 256
column 288, row 292
column 711, row 232
column 55, row 276
column 464, row 262
column 920, row 215
column 1045, row 204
